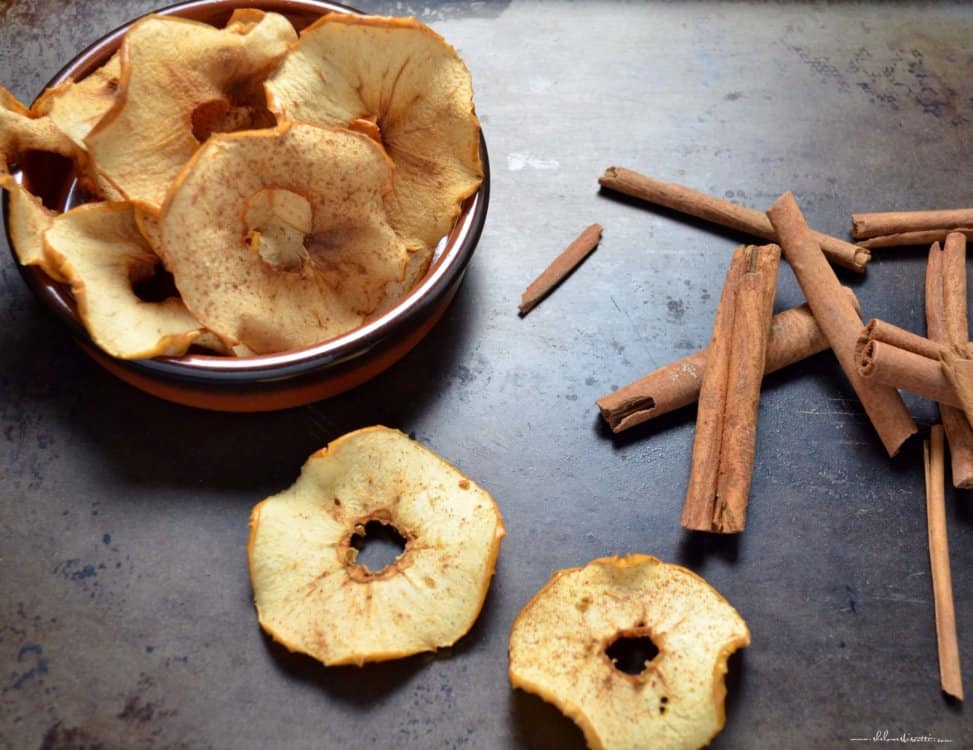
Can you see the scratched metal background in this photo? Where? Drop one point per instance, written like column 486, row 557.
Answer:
column 125, row 607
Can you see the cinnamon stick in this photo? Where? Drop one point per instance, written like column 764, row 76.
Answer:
column 954, row 289
column 958, row 359
column 722, row 212
column 726, row 425
column 947, row 644
column 882, row 363
column 839, row 321
column 880, row 330
column 922, row 237
column 959, row 434
column 560, row 268
column 794, row 336
column 875, row 224
column 900, row 358
column 957, row 364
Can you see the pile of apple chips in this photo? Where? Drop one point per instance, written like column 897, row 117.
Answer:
column 284, row 187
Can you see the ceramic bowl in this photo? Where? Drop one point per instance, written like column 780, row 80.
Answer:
column 266, row 382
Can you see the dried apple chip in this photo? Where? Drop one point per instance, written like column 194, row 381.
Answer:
column 21, row 132
column 278, row 238
column 400, row 82
column 314, row 597
column 562, row 642
column 98, row 248
column 27, row 220
column 179, row 79
column 75, row 107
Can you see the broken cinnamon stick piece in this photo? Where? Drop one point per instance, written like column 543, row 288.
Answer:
column 875, row 224
column 923, row 237
column 726, row 424
column 560, row 268
column 879, row 362
column 947, row 644
column 839, row 321
column 725, row 213
column 959, row 434
column 794, row 336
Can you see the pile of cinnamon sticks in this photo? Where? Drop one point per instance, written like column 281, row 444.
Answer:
column 878, row 359
column 932, row 367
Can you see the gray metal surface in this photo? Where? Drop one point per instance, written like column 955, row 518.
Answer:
column 125, row 606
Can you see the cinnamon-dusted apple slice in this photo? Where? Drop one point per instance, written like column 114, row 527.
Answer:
column 278, row 238
column 563, row 642
column 150, row 228
column 151, row 231
column 98, row 248
column 179, row 79
column 400, row 82
column 313, row 596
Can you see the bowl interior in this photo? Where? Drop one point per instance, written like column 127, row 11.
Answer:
column 52, row 179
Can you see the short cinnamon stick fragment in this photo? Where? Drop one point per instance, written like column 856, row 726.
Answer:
column 876, row 224
column 905, row 239
column 888, row 365
column 950, row 676
column 560, row 268
column 794, row 336
column 940, row 275
column 725, row 213
column 726, row 424
column 839, row 321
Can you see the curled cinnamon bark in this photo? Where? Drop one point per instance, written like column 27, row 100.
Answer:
column 839, row 321
column 794, row 336
column 726, row 423
column 722, row 212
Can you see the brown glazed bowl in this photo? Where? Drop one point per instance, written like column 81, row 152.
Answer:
column 274, row 381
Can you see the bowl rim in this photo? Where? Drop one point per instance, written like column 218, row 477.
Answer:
column 450, row 258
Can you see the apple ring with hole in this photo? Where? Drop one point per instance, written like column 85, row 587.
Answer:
column 401, row 83
column 567, row 645
column 314, row 597
column 98, row 248
column 163, row 109
column 278, row 238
